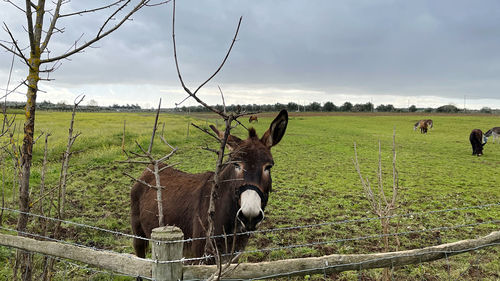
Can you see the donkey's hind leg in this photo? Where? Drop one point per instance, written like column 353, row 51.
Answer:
column 140, row 246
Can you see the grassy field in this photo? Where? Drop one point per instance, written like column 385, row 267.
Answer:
column 314, row 181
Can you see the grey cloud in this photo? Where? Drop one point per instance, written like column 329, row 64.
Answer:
column 409, row 48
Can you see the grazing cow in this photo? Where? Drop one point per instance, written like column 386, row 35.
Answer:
column 423, row 125
column 245, row 183
column 253, row 118
column 476, row 140
column 495, row 132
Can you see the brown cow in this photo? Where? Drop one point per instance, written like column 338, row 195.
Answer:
column 242, row 195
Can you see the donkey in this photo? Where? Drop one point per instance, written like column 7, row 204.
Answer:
column 476, row 140
column 495, row 132
column 245, row 183
column 423, row 125
column 253, row 118
column 430, row 123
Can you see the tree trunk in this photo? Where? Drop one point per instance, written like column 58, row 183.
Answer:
column 26, row 158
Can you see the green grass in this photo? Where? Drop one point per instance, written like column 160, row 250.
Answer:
column 314, row 181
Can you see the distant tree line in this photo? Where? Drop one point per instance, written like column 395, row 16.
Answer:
column 331, row 107
column 63, row 106
column 291, row 106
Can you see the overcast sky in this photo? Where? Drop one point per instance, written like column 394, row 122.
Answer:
column 426, row 53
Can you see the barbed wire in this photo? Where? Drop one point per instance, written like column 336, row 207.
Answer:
column 312, row 244
column 77, row 224
column 410, row 215
column 266, row 249
column 296, row 272
column 42, row 237
column 442, row 228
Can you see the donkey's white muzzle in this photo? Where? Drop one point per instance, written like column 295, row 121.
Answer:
column 250, row 214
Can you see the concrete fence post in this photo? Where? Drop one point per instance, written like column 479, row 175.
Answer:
column 162, row 251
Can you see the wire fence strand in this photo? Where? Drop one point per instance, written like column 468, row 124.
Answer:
column 326, row 267
column 286, row 247
column 347, row 221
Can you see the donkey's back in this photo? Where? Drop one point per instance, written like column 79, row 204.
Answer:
column 181, row 197
column 495, row 132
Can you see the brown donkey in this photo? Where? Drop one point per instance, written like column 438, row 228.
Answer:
column 423, row 125
column 253, row 118
column 245, row 183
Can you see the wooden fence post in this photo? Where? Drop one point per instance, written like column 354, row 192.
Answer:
column 167, row 252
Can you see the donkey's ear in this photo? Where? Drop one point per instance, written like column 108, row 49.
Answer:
column 276, row 131
column 232, row 141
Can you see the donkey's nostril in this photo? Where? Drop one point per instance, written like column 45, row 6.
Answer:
column 242, row 218
column 258, row 219
column 250, row 223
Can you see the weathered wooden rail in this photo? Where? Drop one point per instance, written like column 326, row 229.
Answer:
column 131, row 265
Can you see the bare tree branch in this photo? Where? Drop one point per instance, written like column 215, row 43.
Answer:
column 225, row 58
column 206, row 131
column 6, row 94
column 157, row 4
column 31, row 33
column 223, row 101
column 10, row 50
column 139, row 180
column 111, row 17
column 16, row 6
column 186, row 89
column 154, row 128
column 52, row 26
column 40, row 11
column 14, row 90
column 19, row 53
column 101, row 33
column 91, row 10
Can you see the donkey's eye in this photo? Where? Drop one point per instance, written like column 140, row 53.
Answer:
column 268, row 167
column 237, row 166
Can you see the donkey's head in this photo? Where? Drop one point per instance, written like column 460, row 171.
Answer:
column 248, row 171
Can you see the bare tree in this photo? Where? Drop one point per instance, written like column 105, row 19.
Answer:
column 41, row 24
column 155, row 166
column 380, row 205
column 61, row 187
column 229, row 118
